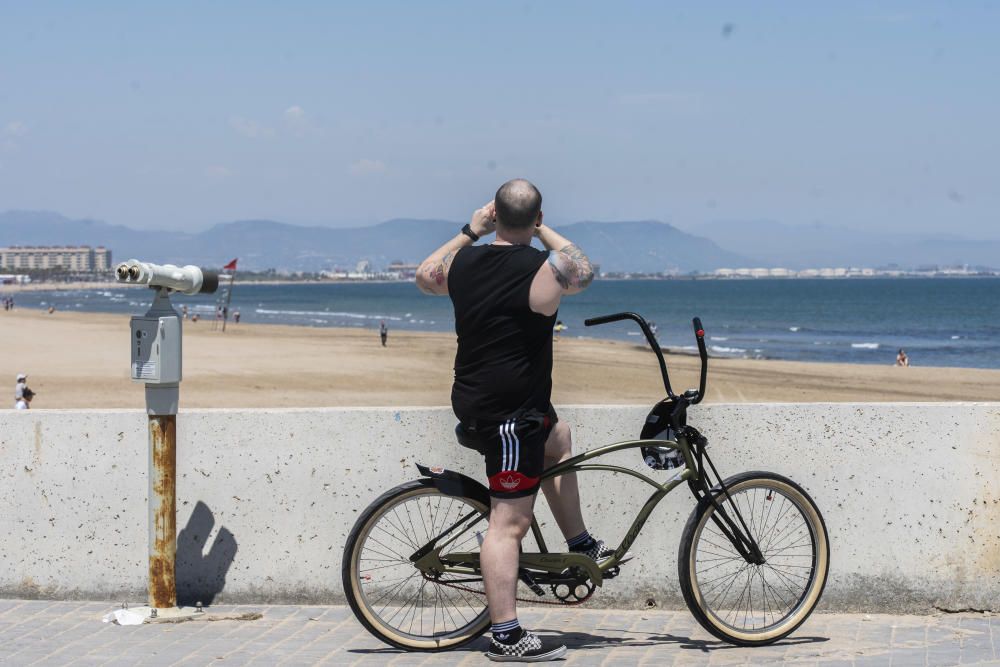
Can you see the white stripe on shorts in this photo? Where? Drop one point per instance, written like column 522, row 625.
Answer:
column 503, row 453
column 517, row 444
column 508, row 431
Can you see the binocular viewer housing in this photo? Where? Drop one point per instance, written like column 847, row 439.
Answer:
column 185, row 279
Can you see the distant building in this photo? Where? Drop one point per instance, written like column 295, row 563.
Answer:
column 403, row 269
column 364, row 266
column 68, row 258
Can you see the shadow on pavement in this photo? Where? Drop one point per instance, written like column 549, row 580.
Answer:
column 586, row 641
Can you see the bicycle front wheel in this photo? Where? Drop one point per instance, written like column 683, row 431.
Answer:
column 745, row 603
column 391, row 597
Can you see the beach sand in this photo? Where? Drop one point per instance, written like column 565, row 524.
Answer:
column 81, row 360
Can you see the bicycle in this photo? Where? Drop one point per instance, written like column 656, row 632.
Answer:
column 753, row 557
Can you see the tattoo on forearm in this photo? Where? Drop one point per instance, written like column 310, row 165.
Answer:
column 573, row 269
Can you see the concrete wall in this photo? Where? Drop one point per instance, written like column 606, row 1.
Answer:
column 910, row 493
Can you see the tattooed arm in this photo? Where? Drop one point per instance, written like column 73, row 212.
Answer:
column 567, row 271
column 432, row 276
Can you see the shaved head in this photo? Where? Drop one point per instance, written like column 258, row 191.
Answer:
column 518, row 204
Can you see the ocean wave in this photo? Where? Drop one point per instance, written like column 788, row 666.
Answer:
column 727, row 350
column 327, row 313
column 865, row 346
column 794, row 329
column 717, row 338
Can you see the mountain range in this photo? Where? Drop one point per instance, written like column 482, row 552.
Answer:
column 645, row 246
column 631, row 246
column 820, row 245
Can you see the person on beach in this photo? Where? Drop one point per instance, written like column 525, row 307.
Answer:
column 20, row 385
column 184, row 311
column 383, row 332
column 23, row 402
column 901, row 358
column 236, row 316
column 506, row 295
column 558, row 329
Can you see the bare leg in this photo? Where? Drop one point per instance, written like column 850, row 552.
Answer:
column 562, row 493
column 509, row 523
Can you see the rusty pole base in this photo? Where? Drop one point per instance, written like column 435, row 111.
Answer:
column 185, row 614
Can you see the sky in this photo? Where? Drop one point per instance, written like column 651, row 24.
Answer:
column 877, row 116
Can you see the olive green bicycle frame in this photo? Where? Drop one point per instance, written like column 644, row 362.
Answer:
column 467, row 563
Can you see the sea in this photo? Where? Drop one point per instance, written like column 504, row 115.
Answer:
column 938, row 321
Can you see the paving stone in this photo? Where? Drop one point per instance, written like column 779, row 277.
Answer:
column 61, row 633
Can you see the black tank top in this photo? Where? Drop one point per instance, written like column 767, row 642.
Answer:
column 504, row 359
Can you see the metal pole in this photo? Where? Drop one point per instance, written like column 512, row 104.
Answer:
column 229, row 300
column 162, row 511
column 161, row 408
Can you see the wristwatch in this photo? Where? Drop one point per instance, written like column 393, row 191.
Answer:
column 467, row 230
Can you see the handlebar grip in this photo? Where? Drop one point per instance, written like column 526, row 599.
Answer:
column 604, row 319
column 699, row 335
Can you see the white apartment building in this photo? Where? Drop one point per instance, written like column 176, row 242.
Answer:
column 69, row 258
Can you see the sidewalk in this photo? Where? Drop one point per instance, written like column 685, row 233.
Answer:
column 71, row 633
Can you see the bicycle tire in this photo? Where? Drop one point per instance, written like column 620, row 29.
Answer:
column 358, row 598
column 693, row 540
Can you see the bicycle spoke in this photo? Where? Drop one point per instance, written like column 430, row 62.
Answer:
column 751, row 597
column 398, row 594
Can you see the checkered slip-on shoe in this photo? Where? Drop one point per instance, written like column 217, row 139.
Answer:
column 601, row 551
column 529, row 648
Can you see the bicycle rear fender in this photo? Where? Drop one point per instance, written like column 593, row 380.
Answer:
column 453, row 483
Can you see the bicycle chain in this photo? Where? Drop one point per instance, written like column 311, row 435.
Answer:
column 572, row 603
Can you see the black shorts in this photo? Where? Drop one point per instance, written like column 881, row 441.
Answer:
column 514, row 450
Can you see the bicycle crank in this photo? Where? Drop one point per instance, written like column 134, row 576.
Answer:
column 573, row 593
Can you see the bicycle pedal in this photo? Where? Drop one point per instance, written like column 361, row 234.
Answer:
column 613, row 572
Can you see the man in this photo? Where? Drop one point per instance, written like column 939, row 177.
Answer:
column 506, row 295
column 383, row 332
column 20, row 385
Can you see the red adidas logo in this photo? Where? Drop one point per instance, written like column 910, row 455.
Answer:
column 512, row 480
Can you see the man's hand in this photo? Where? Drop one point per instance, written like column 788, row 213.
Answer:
column 432, row 275
column 484, row 220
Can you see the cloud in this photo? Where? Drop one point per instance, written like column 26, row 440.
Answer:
column 10, row 133
column 299, row 123
column 368, row 166
column 15, row 128
column 250, row 128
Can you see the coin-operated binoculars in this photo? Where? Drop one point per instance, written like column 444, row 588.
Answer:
column 156, row 362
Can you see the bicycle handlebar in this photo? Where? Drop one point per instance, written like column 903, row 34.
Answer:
column 699, row 333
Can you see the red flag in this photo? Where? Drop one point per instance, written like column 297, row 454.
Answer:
column 231, row 266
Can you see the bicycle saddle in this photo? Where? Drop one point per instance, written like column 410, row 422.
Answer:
column 467, row 438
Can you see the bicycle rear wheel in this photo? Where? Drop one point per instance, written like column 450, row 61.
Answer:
column 391, row 597
column 744, row 603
